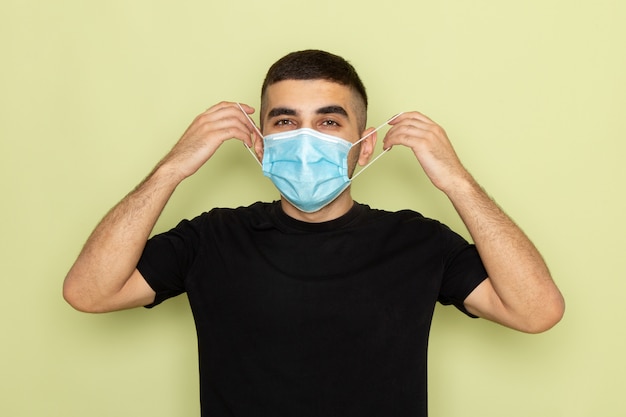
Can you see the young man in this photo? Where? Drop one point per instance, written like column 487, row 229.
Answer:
column 314, row 305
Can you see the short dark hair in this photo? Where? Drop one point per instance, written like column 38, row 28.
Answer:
column 314, row 64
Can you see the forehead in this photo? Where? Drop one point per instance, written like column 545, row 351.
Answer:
column 306, row 96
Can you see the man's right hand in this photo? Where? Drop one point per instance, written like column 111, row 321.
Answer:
column 206, row 133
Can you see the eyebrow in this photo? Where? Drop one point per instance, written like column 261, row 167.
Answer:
column 281, row 111
column 333, row 110
column 285, row 111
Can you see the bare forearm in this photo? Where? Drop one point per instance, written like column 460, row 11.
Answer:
column 104, row 277
column 111, row 253
column 528, row 297
column 519, row 291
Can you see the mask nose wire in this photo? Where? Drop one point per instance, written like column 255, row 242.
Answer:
column 379, row 155
column 257, row 130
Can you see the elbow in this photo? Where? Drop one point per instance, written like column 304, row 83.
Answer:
column 78, row 298
column 76, row 302
column 548, row 317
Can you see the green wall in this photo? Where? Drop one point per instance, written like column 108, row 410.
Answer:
column 92, row 94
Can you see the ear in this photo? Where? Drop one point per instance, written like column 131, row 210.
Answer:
column 367, row 146
column 258, row 146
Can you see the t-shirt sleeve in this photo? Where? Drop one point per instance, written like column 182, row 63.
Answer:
column 463, row 271
column 166, row 259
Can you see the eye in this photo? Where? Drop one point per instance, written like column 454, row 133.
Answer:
column 330, row 123
column 283, row 122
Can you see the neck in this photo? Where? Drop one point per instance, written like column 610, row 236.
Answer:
column 337, row 208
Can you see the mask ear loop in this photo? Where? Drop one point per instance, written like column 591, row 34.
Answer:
column 366, row 136
column 257, row 130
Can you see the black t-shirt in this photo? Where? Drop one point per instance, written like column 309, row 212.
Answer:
column 312, row 319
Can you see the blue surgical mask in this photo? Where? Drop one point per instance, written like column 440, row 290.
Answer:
column 309, row 168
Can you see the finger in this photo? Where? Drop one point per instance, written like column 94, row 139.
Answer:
column 410, row 116
column 247, row 110
column 237, row 114
column 407, row 134
column 230, row 132
column 220, row 126
column 225, row 109
column 230, row 105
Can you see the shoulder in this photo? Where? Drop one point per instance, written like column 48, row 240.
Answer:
column 256, row 215
column 258, row 210
column 405, row 217
column 408, row 227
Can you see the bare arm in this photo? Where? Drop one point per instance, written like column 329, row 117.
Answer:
column 519, row 292
column 104, row 276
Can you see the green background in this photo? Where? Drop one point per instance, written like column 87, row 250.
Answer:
column 92, row 94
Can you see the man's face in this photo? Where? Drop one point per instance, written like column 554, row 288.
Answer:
column 321, row 105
